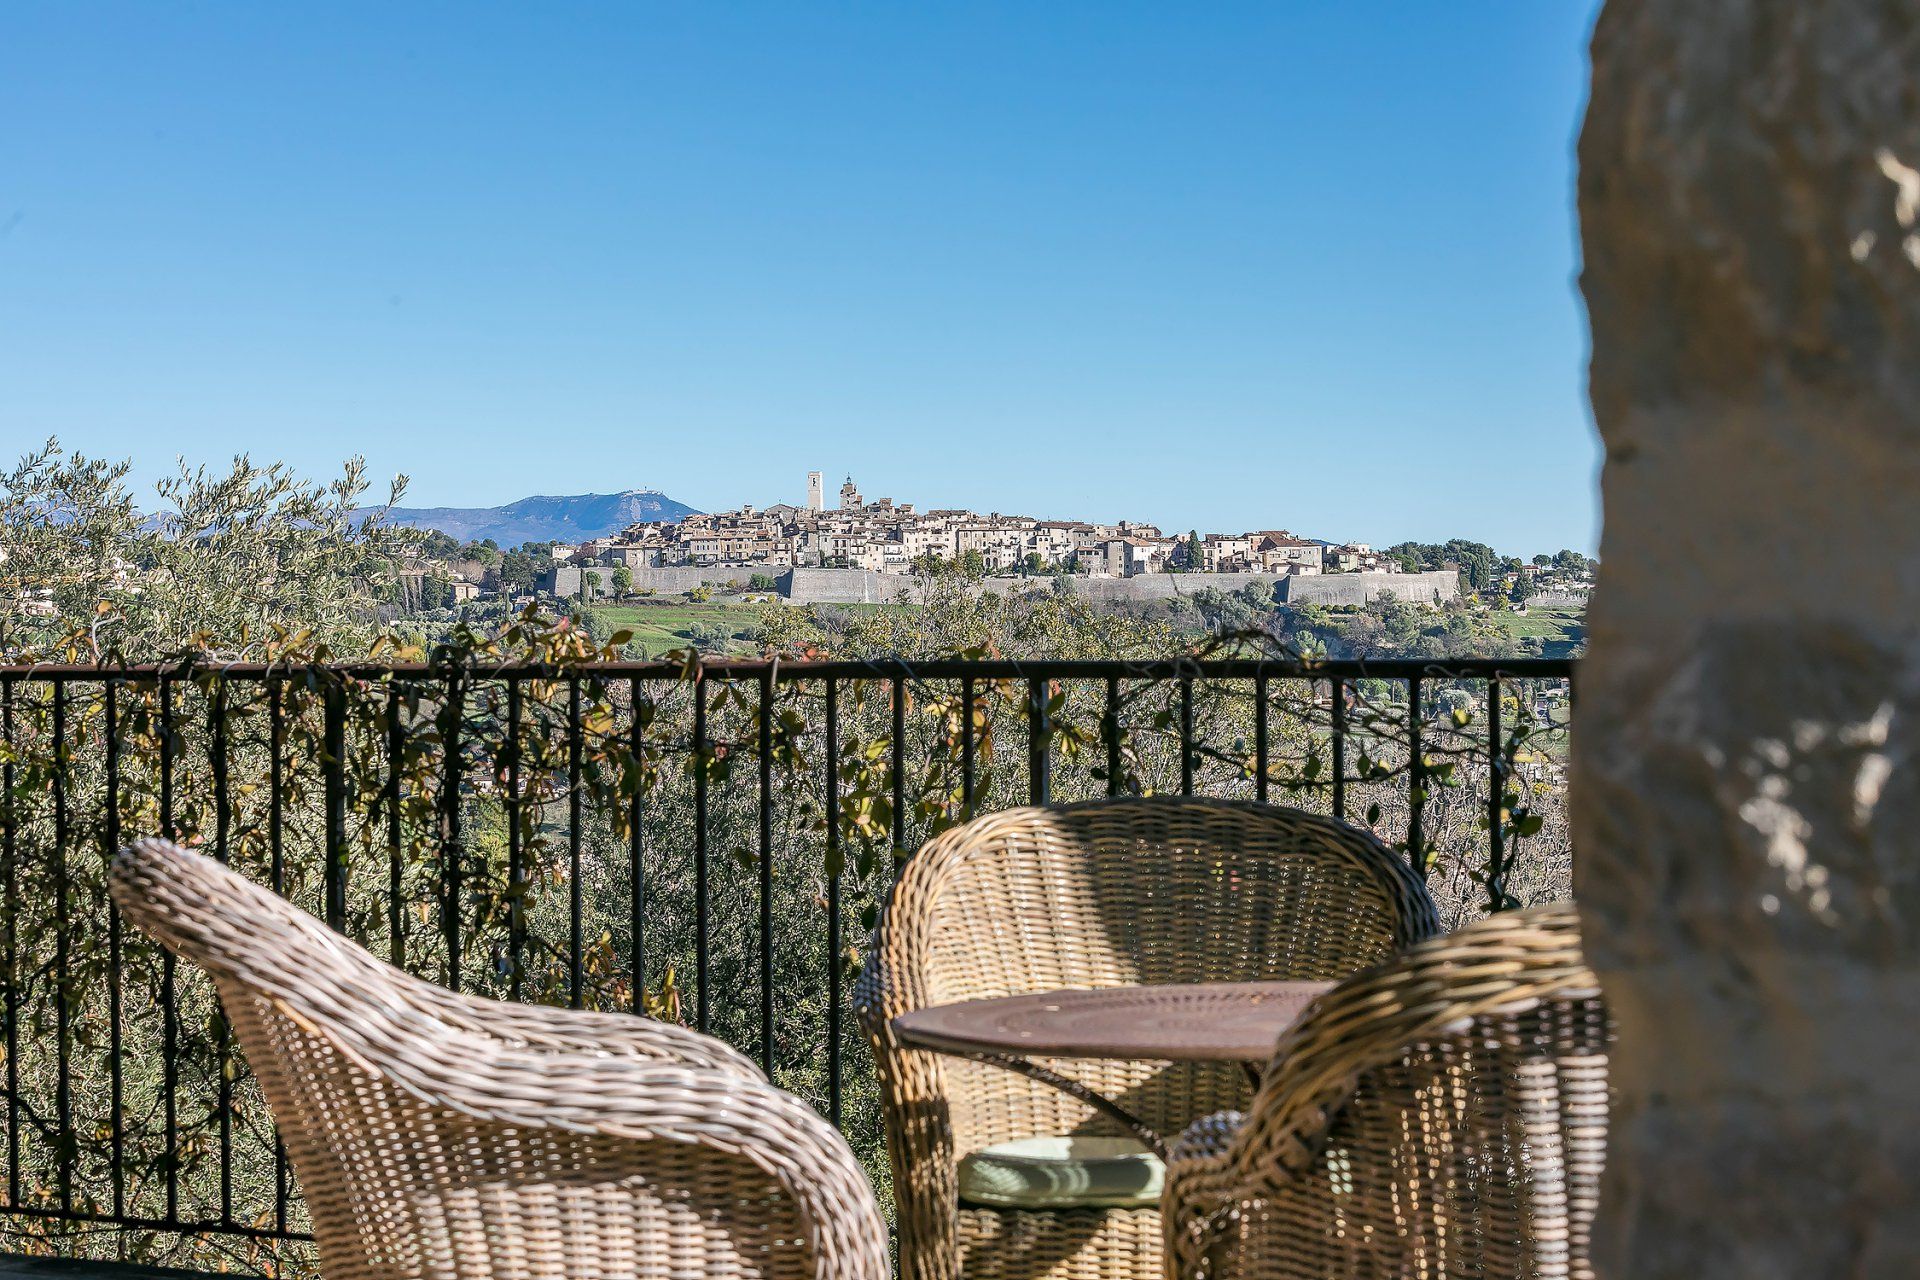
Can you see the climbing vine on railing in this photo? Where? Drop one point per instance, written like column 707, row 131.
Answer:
column 520, row 815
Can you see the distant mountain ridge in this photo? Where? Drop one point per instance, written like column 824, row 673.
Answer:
column 542, row 518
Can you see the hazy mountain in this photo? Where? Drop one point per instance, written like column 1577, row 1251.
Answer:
column 539, row 519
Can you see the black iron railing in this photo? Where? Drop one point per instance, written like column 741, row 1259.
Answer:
column 706, row 841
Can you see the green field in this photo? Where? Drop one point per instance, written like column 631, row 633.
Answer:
column 674, row 622
column 661, row 625
column 1561, row 629
column 722, row 626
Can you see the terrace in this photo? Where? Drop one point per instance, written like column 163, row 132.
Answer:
column 709, row 844
column 703, row 842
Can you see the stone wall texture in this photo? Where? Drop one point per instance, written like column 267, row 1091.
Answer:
column 856, row 586
column 845, row 586
column 1363, row 588
column 1165, row 586
column 564, row 580
column 1746, row 794
column 673, row 579
column 863, row 586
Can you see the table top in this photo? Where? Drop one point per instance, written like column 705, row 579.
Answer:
column 1188, row 1022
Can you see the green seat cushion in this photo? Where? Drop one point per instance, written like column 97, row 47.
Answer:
column 1062, row 1173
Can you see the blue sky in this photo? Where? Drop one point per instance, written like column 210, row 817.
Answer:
column 1221, row 266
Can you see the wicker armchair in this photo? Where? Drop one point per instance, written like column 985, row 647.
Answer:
column 1102, row 894
column 1443, row 1115
column 437, row 1135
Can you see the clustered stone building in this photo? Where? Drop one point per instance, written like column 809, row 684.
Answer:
column 883, row 536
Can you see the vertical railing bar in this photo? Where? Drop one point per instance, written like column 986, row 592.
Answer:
column 637, row 854
column 516, row 837
column 396, row 866
column 276, row 782
column 701, row 922
column 9, row 832
column 576, row 892
column 834, row 1013
column 1416, row 779
column 1496, row 801
column 765, row 782
column 116, row 1081
column 169, row 1010
column 1039, row 743
column 1186, row 735
column 452, row 850
column 1260, row 746
column 217, row 762
column 1110, row 734
column 966, row 747
column 897, row 765
column 217, row 766
column 334, row 764
column 1337, row 689
column 62, row 955
column 277, row 874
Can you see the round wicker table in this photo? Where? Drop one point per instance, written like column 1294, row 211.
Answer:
column 1186, row 1022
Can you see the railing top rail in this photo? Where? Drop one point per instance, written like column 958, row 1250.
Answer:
column 841, row 669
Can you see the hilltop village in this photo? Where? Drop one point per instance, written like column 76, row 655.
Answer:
column 877, row 551
column 868, row 549
column 873, row 550
column 884, row 536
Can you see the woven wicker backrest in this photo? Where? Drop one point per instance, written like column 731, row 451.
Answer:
column 1120, row 892
column 442, row 1136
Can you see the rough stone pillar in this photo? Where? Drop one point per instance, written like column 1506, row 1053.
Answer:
column 1746, row 788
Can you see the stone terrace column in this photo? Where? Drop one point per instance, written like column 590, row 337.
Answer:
column 1746, row 789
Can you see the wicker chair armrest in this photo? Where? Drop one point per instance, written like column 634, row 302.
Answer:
column 893, row 975
column 895, row 978
column 173, row 895
column 1374, row 1018
column 1199, row 1173
column 631, row 1098
column 547, row 1029
column 880, row 992
column 913, row 1083
column 1200, row 1184
column 1205, row 1140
